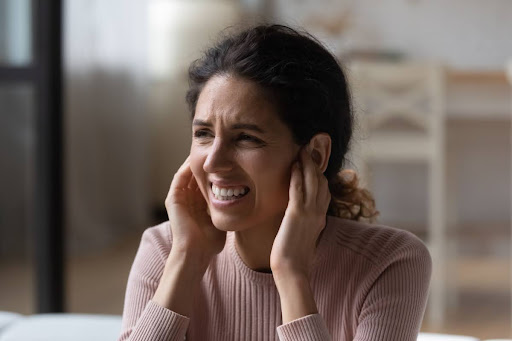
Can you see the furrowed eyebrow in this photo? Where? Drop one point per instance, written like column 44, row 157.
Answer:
column 201, row 123
column 247, row 126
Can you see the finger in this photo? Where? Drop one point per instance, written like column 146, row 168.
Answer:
column 323, row 186
column 183, row 175
column 192, row 184
column 324, row 195
column 184, row 165
column 310, row 178
column 296, row 187
column 327, row 202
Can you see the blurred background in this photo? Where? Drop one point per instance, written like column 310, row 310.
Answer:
column 429, row 82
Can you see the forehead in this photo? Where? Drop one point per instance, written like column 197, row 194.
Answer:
column 228, row 99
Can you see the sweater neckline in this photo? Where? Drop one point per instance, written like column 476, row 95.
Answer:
column 268, row 278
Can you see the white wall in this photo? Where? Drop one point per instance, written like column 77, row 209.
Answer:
column 463, row 33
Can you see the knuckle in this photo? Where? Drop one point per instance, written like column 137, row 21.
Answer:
column 168, row 199
column 176, row 176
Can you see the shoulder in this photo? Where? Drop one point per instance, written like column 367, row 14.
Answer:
column 156, row 242
column 160, row 233
column 378, row 243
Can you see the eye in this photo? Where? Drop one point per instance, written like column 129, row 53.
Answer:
column 202, row 133
column 249, row 138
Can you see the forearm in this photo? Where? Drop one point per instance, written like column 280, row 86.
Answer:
column 296, row 296
column 180, row 282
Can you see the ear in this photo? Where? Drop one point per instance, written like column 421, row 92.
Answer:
column 320, row 146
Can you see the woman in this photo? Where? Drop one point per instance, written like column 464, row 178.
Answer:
column 266, row 238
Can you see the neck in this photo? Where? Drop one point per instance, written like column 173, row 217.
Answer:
column 255, row 244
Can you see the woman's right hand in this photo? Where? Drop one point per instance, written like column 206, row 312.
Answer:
column 191, row 225
column 195, row 240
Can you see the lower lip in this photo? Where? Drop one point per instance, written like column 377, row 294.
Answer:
column 225, row 203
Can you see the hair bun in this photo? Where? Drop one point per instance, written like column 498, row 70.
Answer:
column 349, row 201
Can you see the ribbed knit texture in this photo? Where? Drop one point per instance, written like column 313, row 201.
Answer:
column 370, row 283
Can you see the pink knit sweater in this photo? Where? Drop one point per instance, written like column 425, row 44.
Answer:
column 370, row 282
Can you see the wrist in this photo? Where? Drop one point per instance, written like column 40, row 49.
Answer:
column 284, row 279
column 285, row 272
column 180, row 281
column 296, row 296
column 188, row 257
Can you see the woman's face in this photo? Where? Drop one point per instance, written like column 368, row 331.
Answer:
column 241, row 154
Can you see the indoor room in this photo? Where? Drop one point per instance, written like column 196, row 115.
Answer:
column 95, row 123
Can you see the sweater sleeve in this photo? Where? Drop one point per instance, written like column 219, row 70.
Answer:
column 144, row 319
column 307, row 328
column 394, row 305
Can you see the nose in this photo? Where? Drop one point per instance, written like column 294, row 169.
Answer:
column 219, row 158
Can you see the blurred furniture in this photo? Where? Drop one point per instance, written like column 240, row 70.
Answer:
column 444, row 337
column 476, row 94
column 79, row 327
column 478, row 99
column 400, row 111
column 59, row 327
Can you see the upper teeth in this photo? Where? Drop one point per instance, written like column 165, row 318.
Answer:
column 228, row 192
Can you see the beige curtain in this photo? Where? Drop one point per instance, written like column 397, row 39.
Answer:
column 106, row 121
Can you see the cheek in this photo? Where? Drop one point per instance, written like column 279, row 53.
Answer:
column 273, row 182
column 196, row 165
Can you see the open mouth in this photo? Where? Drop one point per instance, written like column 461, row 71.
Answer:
column 231, row 193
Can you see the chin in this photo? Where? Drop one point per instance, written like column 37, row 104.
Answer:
column 229, row 223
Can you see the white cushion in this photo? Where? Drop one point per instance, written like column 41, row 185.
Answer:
column 444, row 337
column 63, row 327
column 6, row 318
column 83, row 327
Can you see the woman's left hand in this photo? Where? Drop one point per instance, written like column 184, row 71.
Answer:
column 294, row 247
